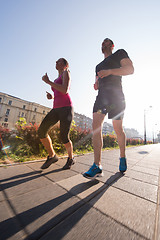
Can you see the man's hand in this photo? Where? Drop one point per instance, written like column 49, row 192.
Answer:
column 96, row 85
column 45, row 78
column 104, row 73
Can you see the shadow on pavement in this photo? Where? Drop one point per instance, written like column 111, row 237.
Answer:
column 27, row 217
column 143, row 152
column 32, row 176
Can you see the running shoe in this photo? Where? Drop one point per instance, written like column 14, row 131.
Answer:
column 93, row 172
column 49, row 161
column 69, row 163
column 122, row 165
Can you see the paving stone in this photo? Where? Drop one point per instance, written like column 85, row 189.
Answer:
column 65, row 204
column 40, row 210
column 144, row 177
column 82, row 187
column 13, row 172
column 149, row 164
column 80, row 168
column 88, row 223
column 9, row 226
column 86, row 159
column 109, row 177
column 154, row 172
column 144, row 190
column 1, row 195
column 135, row 213
column 22, row 183
column 54, row 172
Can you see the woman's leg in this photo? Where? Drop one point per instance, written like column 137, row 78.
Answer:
column 65, row 124
column 69, row 148
column 47, row 143
column 50, row 120
column 66, row 117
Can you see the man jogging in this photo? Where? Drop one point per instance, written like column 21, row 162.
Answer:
column 110, row 100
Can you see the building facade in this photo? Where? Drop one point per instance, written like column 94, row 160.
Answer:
column 158, row 137
column 13, row 108
column 82, row 121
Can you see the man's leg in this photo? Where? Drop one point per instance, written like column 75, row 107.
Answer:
column 96, row 168
column 98, row 119
column 118, row 128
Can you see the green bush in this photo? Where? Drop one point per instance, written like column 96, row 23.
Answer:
column 27, row 143
column 81, row 139
column 5, row 134
column 23, row 150
column 134, row 141
column 109, row 140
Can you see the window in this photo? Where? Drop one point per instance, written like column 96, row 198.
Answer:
column 7, row 112
column 22, row 114
column 0, row 99
column 24, row 106
column 10, row 102
column 6, row 120
column 43, row 111
column 5, row 125
column 35, row 109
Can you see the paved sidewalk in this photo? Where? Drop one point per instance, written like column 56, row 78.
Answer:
column 61, row 204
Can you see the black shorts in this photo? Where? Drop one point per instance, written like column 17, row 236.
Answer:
column 64, row 115
column 111, row 102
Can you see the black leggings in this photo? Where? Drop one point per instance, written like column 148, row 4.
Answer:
column 64, row 115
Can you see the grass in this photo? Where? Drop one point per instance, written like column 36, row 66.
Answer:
column 10, row 158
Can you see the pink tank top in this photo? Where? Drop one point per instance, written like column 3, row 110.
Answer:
column 60, row 99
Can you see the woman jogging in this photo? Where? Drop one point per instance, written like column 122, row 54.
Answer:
column 62, row 111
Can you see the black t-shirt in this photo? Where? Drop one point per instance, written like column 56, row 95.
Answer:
column 111, row 62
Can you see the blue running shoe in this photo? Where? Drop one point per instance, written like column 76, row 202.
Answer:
column 122, row 165
column 93, row 172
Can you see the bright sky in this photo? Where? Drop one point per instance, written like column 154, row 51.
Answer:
column 35, row 33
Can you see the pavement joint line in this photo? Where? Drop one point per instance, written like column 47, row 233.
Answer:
column 60, row 221
column 141, row 181
column 157, row 217
column 108, row 185
column 101, row 182
column 143, row 172
column 114, row 172
column 143, row 237
column 88, row 202
column 133, row 194
column 157, row 205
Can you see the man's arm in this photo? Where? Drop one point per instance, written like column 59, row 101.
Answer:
column 125, row 69
column 96, row 84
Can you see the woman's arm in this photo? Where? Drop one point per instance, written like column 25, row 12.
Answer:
column 64, row 87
